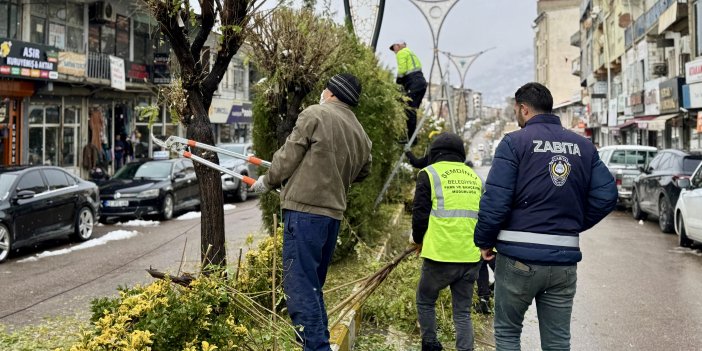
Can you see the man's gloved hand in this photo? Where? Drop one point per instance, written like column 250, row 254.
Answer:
column 260, row 185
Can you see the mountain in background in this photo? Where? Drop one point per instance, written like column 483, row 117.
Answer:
column 504, row 77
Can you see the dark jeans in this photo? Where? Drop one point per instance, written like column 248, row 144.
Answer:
column 308, row 246
column 484, row 278
column 416, row 100
column 517, row 285
column 435, row 277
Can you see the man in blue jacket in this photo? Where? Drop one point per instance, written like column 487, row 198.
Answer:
column 546, row 186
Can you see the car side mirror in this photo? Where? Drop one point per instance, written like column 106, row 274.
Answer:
column 179, row 175
column 24, row 194
column 684, row 183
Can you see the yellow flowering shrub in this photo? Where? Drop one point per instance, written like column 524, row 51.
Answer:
column 216, row 312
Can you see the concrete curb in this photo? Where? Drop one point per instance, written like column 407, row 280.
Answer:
column 343, row 335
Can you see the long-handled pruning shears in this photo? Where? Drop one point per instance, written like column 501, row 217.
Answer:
column 179, row 145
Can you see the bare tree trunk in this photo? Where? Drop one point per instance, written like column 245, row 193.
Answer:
column 210, row 183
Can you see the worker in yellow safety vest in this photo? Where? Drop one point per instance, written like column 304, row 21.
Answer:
column 410, row 76
column 445, row 212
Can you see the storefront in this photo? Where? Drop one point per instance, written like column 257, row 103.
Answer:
column 231, row 120
column 23, row 68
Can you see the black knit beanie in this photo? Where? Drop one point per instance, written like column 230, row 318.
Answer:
column 346, row 88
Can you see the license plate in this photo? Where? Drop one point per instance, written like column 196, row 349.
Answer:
column 116, row 203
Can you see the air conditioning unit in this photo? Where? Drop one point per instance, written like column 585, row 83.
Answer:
column 660, row 69
column 101, row 12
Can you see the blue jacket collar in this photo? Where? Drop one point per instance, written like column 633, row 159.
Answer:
column 545, row 118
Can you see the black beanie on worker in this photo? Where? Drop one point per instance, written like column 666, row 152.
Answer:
column 346, row 88
column 447, row 147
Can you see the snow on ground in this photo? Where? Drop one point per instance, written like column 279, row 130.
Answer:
column 139, row 223
column 189, row 215
column 194, row 215
column 111, row 236
column 685, row 250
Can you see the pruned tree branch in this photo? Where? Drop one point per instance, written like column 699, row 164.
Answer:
column 207, row 22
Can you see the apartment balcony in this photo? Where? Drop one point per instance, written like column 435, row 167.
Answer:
column 575, row 67
column 575, row 39
column 99, row 70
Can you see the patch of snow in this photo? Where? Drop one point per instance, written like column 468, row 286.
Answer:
column 228, row 207
column 686, row 250
column 641, row 222
column 139, row 223
column 189, row 215
column 100, row 224
column 111, row 236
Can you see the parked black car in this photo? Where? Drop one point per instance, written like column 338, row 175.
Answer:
column 42, row 202
column 150, row 187
column 656, row 190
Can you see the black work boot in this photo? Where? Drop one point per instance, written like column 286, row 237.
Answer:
column 431, row 346
column 483, row 305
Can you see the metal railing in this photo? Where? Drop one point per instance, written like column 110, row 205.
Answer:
column 98, row 65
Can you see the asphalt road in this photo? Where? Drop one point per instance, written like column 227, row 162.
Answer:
column 637, row 290
column 65, row 284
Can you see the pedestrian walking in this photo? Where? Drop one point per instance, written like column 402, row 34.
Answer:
column 326, row 151
column 444, row 215
column 119, row 150
column 410, row 76
column 546, row 186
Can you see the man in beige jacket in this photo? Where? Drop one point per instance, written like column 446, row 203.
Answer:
column 326, row 152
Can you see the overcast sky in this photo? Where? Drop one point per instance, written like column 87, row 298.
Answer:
column 471, row 26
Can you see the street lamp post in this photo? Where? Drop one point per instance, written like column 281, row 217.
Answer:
column 463, row 64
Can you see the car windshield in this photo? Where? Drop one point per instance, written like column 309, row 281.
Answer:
column 148, row 170
column 629, row 158
column 239, row 149
column 6, row 181
column 690, row 164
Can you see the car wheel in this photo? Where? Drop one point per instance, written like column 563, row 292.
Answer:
column 5, row 242
column 665, row 215
column 84, row 224
column 683, row 240
column 636, row 207
column 242, row 193
column 167, row 209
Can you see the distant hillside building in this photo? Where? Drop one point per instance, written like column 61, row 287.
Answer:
column 557, row 20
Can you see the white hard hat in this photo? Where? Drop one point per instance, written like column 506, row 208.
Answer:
column 397, row 42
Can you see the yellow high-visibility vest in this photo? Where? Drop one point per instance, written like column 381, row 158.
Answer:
column 407, row 62
column 455, row 201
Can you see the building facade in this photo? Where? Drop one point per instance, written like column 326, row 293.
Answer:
column 556, row 21
column 73, row 73
column 632, row 69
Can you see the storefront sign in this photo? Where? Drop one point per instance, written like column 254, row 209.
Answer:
column 636, row 102
column 241, row 113
column 27, row 60
column 220, row 110
column 117, row 80
column 162, row 73
column 71, row 64
column 137, row 71
column 671, row 95
column 699, row 122
column 692, row 95
column 693, row 71
column 652, row 97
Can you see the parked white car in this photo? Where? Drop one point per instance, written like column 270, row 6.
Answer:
column 688, row 211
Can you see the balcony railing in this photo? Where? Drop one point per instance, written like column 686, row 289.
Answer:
column 98, row 65
column 575, row 67
column 647, row 20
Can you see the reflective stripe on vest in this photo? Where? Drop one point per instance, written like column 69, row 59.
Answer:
column 454, row 213
column 541, row 239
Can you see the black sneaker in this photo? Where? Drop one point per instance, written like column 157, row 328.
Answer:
column 483, row 306
column 431, row 346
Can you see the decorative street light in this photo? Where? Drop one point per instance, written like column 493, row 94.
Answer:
column 365, row 18
column 463, row 64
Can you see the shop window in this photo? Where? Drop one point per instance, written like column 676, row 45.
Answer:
column 49, row 142
column 122, row 37
column 10, row 15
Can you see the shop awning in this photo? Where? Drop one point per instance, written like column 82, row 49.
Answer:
column 658, row 124
column 639, row 122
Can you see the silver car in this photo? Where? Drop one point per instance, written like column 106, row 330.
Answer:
column 232, row 186
column 624, row 162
